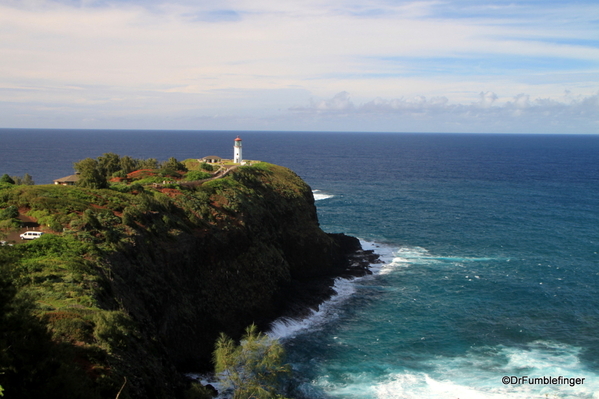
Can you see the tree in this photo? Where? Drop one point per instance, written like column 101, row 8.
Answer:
column 6, row 179
column 108, row 164
column 253, row 368
column 173, row 164
column 128, row 164
column 9, row 213
column 90, row 175
column 150, row 163
column 25, row 180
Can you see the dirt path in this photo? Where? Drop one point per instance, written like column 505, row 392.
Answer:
column 29, row 224
column 221, row 173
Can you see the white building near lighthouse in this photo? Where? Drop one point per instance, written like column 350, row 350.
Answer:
column 237, row 151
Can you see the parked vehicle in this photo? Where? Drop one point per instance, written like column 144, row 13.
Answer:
column 31, row 235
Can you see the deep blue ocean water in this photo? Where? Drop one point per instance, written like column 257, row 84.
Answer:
column 490, row 245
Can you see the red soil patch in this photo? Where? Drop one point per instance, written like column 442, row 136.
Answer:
column 118, row 179
column 171, row 192
column 140, row 174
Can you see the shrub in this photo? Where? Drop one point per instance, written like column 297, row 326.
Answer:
column 207, row 167
column 221, row 184
column 69, row 326
column 9, row 213
column 198, row 391
column 119, row 173
column 197, row 175
column 130, row 215
column 6, row 179
column 120, row 187
column 253, row 368
column 112, row 328
column 54, row 224
column 173, row 164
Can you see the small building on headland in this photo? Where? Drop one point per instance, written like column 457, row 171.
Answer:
column 212, row 159
column 67, row 180
column 237, row 157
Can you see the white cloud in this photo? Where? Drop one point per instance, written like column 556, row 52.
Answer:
column 488, row 114
column 158, row 57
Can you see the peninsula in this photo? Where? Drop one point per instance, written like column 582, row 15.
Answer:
column 138, row 271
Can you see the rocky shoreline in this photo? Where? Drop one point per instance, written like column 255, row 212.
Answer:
column 305, row 296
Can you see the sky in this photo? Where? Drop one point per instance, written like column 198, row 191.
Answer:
column 310, row 65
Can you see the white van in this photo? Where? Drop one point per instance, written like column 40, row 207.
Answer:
column 31, row 235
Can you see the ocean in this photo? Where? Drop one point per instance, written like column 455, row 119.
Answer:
column 489, row 286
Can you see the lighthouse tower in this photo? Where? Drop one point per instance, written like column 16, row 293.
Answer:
column 237, row 151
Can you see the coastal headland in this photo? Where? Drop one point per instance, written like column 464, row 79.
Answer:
column 136, row 277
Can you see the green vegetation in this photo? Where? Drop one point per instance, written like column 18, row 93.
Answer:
column 197, row 175
column 206, row 167
column 32, row 363
column 25, row 180
column 8, row 220
column 194, row 164
column 6, row 179
column 252, row 369
column 90, row 174
column 173, row 164
column 134, row 281
column 96, row 173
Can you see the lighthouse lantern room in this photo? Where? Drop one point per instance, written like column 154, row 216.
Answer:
column 237, row 151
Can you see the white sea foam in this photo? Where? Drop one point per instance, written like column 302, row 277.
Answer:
column 319, row 195
column 287, row 328
column 392, row 259
column 402, row 257
column 478, row 375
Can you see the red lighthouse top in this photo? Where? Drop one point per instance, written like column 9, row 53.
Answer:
column 237, row 139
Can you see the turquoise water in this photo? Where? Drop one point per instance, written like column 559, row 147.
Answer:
column 491, row 270
column 490, row 245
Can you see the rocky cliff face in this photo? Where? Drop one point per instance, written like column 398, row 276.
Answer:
column 177, row 267
column 232, row 272
column 261, row 256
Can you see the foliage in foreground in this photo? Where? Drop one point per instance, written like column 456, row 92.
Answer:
column 252, row 369
column 32, row 364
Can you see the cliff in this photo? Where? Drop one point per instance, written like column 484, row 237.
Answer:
column 138, row 284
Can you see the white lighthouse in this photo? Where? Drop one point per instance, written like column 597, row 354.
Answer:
column 237, row 151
